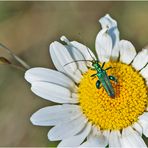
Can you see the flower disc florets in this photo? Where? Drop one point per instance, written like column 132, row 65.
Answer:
column 122, row 111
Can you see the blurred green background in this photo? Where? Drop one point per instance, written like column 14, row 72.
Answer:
column 28, row 28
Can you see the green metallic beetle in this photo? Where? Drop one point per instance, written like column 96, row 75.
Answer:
column 103, row 78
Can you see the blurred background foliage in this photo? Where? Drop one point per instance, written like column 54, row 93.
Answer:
column 28, row 28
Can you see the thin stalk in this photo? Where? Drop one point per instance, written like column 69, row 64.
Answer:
column 19, row 60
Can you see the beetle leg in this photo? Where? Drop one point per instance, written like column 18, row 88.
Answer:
column 93, row 75
column 92, row 68
column 113, row 78
column 98, row 84
column 108, row 68
column 103, row 65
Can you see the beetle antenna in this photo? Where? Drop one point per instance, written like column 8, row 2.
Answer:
column 63, row 38
column 77, row 61
column 90, row 53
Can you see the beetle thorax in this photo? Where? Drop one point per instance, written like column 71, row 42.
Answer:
column 97, row 66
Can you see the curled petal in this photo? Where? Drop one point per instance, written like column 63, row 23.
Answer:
column 111, row 24
column 115, row 52
column 103, row 45
column 113, row 32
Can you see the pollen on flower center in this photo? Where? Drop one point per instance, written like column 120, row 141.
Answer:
column 130, row 98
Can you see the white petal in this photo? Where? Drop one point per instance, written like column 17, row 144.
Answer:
column 144, row 116
column 114, row 139
column 106, row 133
column 48, row 75
column 77, row 139
column 75, row 54
column 144, row 72
column 141, row 59
column 113, row 32
column 67, row 129
column 115, row 53
column 53, row 92
column 111, row 24
column 144, row 125
column 96, row 130
column 95, row 141
column 55, row 61
column 60, row 53
column 103, row 45
column 138, row 128
column 54, row 115
column 131, row 138
column 127, row 51
column 86, row 52
column 143, row 121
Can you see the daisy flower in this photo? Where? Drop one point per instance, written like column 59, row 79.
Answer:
column 87, row 116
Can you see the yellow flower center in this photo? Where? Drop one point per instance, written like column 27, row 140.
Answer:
column 131, row 97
